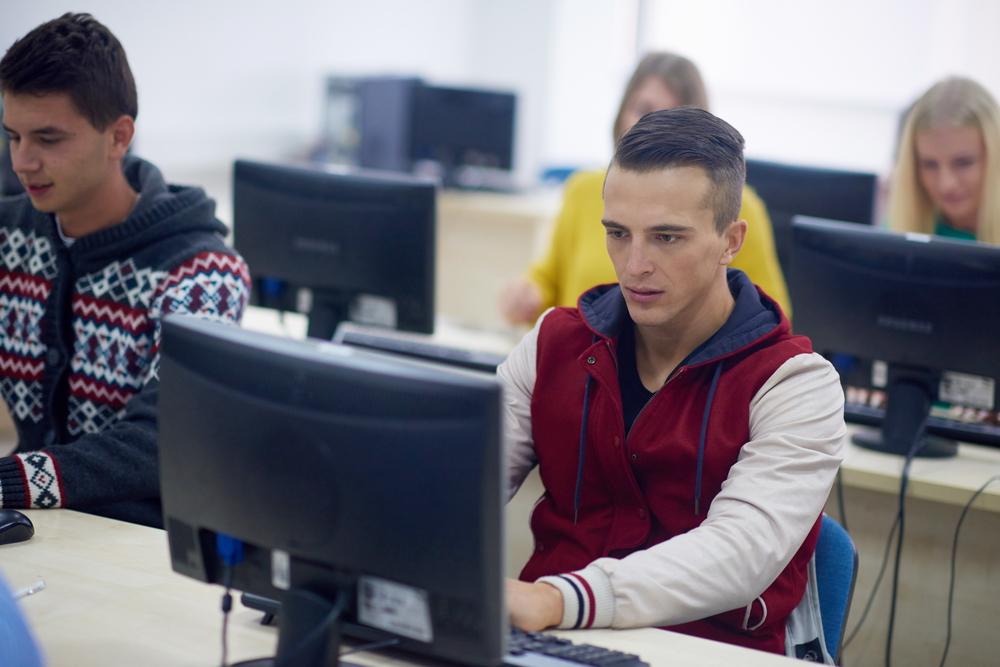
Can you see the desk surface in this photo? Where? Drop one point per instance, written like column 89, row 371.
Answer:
column 949, row 481
column 111, row 599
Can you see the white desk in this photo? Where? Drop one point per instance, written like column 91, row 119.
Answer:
column 111, row 599
column 948, row 481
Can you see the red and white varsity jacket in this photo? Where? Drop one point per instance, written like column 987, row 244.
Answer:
column 704, row 518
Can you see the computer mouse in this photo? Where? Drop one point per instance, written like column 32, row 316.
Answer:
column 14, row 527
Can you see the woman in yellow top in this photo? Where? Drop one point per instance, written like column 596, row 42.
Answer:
column 947, row 175
column 577, row 258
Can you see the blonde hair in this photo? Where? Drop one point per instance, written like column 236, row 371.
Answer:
column 953, row 102
column 678, row 74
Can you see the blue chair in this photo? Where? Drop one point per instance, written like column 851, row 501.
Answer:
column 836, row 570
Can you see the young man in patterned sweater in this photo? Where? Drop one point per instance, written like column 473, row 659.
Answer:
column 92, row 257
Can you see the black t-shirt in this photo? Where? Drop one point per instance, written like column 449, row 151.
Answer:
column 634, row 394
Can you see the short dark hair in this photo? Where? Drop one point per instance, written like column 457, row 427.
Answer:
column 77, row 55
column 690, row 137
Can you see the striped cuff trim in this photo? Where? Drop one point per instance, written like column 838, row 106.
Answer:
column 41, row 478
column 588, row 601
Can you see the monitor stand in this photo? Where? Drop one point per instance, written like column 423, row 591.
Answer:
column 328, row 310
column 910, row 393
column 309, row 631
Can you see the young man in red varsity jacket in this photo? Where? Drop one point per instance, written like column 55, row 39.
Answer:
column 92, row 256
column 686, row 439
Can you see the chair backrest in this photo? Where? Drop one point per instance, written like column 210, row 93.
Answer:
column 836, row 570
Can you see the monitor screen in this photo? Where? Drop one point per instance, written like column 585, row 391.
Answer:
column 789, row 190
column 464, row 131
column 921, row 306
column 349, row 478
column 358, row 245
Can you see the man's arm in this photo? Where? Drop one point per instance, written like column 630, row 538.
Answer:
column 754, row 526
column 120, row 462
column 517, row 375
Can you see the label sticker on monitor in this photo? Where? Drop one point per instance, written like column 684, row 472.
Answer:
column 880, row 374
column 375, row 310
column 281, row 575
column 396, row 608
column 971, row 391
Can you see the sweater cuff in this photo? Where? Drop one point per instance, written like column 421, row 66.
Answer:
column 13, row 490
column 588, row 599
column 30, row 480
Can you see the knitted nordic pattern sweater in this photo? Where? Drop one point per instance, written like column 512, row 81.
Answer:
column 79, row 341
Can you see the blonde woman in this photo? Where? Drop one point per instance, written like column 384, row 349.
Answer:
column 947, row 175
column 577, row 259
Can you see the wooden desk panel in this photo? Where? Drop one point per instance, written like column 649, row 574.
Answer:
column 484, row 241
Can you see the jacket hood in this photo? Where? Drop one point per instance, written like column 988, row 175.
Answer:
column 162, row 211
column 755, row 316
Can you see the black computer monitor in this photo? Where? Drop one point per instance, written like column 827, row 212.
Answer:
column 350, row 478
column 360, row 245
column 789, row 190
column 467, row 133
column 923, row 305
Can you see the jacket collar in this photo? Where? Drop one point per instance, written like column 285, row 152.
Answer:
column 755, row 316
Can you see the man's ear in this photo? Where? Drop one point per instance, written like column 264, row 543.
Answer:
column 121, row 133
column 734, row 235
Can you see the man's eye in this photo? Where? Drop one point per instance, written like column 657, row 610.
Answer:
column 48, row 141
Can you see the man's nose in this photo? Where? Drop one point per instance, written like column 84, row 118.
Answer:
column 23, row 158
column 638, row 262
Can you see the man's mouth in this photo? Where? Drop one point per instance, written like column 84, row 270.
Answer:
column 642, row 294
column 37, row 189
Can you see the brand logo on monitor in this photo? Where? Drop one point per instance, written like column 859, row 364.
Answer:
column 905, row 324
column 318, row 246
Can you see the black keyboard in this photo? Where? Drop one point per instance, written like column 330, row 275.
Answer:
column 476, row 360
column 983, row 434
column 537, row 649
column 524, row 649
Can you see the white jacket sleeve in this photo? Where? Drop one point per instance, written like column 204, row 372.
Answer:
column 517, row 375
column 754, row 526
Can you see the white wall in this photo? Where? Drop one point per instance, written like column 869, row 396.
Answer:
column 224, row 78
column 823, row 82
column 807, row 81
column 592, row 55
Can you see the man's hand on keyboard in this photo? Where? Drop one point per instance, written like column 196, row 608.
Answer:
column 533, row 607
